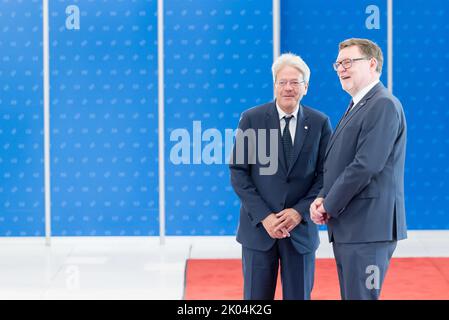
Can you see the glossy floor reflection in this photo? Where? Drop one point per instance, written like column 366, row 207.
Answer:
column 135, row 267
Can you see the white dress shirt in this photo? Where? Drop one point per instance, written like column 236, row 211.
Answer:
column 359, row 96
column 293, row 121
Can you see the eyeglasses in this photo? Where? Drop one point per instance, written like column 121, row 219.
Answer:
column 347, row 63
column 293, row 83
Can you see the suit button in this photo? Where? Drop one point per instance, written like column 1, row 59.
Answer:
column 288, row 180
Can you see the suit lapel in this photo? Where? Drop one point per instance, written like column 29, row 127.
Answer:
column 343, row 122
column 272, row 122
column 302, row 129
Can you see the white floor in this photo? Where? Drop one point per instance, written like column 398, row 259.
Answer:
column 136, row 268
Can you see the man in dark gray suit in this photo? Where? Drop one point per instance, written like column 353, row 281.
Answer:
column 276, row 195
column 362, row 199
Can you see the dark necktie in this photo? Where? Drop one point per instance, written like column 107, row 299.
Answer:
column 351, row 104
column 287, row 141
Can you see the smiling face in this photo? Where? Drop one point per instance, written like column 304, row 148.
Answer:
column 360, row 74
column 288, row 96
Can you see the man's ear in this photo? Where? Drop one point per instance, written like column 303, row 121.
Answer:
column 373, row 64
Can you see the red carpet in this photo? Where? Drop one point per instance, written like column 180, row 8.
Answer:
column 407, row 279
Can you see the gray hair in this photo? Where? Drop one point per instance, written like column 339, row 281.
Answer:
column 292, row 60
column 367, row 47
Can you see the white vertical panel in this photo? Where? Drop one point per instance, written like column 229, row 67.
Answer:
column 390, row 44
column 276, row 29
column 161, row 127
column 46, row 86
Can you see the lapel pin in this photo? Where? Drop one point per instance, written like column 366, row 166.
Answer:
column 306, row 127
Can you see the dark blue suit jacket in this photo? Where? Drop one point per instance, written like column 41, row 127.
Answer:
column 364, row 172
column 295, row 187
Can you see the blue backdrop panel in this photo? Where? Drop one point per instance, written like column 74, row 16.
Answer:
column 313, row 29
column 218, row 60
column 104, row 118
column 21, row 121
column 421, row 59
column 217, row 64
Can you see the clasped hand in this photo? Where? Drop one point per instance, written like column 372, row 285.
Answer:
column 318, row 213
column 279, row 225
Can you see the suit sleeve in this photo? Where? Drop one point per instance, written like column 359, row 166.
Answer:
column 303, row 205
column 374, row 146
column 241, row 179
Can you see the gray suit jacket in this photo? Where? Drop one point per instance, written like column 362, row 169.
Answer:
column 363, row 182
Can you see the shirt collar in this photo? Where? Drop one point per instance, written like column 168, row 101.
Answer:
column 283, row 114
column 359, row 96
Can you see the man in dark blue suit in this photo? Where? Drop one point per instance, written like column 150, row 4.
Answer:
column 362, row 199
column 275, row 195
